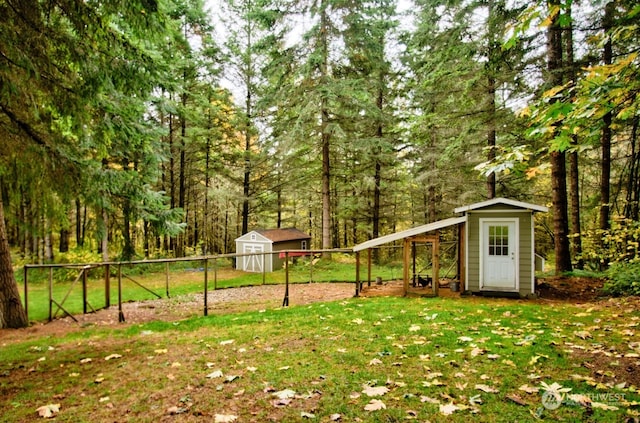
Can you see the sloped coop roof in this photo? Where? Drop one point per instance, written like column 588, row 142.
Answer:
column 434, row 226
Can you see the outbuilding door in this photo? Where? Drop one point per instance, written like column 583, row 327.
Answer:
column 254, row 262
column 499, row 254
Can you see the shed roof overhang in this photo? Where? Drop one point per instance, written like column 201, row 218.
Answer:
column 418, row 230
column 500, row 200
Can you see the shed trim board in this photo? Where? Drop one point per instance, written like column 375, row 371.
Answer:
column 501, row 200
column 499, row 263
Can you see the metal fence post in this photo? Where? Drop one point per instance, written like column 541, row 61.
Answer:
column 206, row 286
column 120, row 313
column 50, row 293
column 107, row 286
column 285, row 302
column 26, row 294
column 84, row 290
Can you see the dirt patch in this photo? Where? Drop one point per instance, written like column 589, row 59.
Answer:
column 577, row 289
column 220, row 301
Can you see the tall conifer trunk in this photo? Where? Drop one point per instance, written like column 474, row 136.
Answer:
column 605, row 170
column 574, row 172
column 12, row 313
column 558, row 159
column 325, row 136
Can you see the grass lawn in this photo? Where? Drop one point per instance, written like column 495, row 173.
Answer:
column 364, row 359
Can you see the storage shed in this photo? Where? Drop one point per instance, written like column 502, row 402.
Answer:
column 495, row 253
column 500, row 253
column 257, row 244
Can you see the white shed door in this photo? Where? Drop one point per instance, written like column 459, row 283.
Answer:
column 253, row 263
column 499, row 243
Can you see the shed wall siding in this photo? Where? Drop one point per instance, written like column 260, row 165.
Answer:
column 278, row 263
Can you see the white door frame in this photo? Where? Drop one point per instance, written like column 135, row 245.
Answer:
column 513, row 253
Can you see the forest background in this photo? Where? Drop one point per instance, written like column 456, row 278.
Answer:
column 157, row 128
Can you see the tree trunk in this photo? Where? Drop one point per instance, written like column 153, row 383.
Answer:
column 491, row 136
column 631, row 210
column 558, row 159
column 605, row 170
column 491, row 96
column 326, row 138
column 12, row 313
column 574, row 173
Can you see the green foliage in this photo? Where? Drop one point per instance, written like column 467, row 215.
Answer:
column 624, row 279
column 619, row 244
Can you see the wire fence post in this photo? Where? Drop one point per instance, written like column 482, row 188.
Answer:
column 285, row 302
column 120, row 313
column 166, row 278
column 206, row 286
column 26, row 294
column 107, row 286
column 50, row 294
column 215, row 273
column 84, row 290
column 358, row 286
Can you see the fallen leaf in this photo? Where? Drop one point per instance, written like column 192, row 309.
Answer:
column 375, row 391
column 306, row 415
column 529, row 389
column 284, row 394
column 225, row 418
column 227, row 342
column 475, row 400
column 448, row 409
column 375, row 361
column 486, row 388
column 429, row 400
column 112, row 356
column 603, row 406
column 86, row 360
column 215, row 374
column 48, row 411
column 583, row 334
column 374, row 405
column 335, row 417
column 517, row 399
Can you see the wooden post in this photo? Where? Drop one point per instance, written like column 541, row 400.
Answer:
column 406, row 254
column 462, row 257
column 369, row 262
column 436, row 263
column 206, row 287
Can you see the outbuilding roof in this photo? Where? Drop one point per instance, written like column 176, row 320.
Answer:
column 433, row 226
column 283, row 234
column 501, row 200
